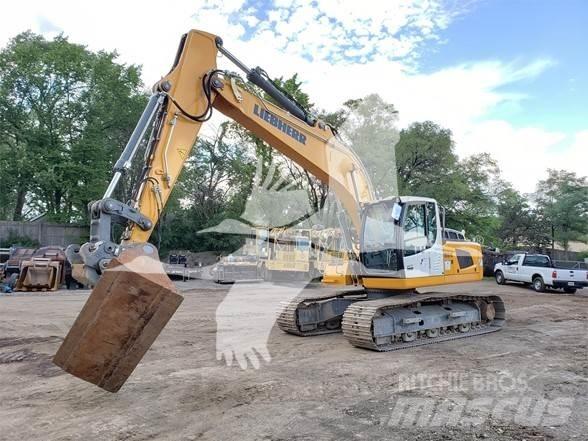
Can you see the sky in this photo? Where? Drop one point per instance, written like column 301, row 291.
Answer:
column 508, row 77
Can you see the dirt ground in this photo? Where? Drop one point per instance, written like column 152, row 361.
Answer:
column 526, row 382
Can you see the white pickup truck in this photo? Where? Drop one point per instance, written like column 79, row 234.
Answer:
column 539, row 271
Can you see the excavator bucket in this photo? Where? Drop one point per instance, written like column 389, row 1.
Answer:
column 126, row 311
column 38, row 274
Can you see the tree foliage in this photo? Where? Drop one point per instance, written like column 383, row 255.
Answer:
column 65, row 114
column 425, row 161
column 213, row 186
column 562, row 201
column 478, row 200
column 467, row 188
column 369, row 128
column 520, row 224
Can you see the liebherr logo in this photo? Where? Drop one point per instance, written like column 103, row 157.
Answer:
column 279, row 124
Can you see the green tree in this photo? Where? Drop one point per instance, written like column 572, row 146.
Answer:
column 368, row 126
column 468, row 189
column 475, row 188
column 213, row 186
column 426, row 162
column 520, row 224
column 562, row 200
column 65, row 114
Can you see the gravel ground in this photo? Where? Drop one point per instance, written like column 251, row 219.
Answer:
column 526, row 382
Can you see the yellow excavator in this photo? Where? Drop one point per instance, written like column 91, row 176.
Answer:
column 399, row 242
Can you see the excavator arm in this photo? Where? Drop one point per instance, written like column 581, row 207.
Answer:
column 286, row 127
column 133, row 298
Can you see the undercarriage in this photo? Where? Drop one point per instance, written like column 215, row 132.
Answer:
column 388, row 320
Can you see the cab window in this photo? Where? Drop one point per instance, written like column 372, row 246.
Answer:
column 415, row 238
column 431, row 224
column 379, row 228
column 541, row 261
column 513, row 260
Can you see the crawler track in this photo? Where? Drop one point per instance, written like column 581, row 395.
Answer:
column 358, row 321
column 288, row 314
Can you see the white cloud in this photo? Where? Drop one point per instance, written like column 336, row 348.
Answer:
column 574, row 157
column 144, row 33
column 523, row 154
column 251, row 20
column 46, row 27
column 342, row 28
column 458, row 97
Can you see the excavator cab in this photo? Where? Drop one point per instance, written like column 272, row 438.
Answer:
column 402, row 238
column 403, row 247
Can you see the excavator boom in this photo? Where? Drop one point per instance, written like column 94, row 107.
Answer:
column 133, row 298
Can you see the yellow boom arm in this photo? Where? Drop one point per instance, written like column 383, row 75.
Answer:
column 314, row 147
column 133, row 298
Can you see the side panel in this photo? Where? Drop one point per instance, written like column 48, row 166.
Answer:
column 525, row 272
column 462, row 263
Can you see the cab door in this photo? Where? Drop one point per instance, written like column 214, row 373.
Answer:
column 422, row 244
column 512, row 267
column 435, row 239
column 526, row 268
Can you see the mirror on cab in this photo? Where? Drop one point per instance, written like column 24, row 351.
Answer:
column 396, row 211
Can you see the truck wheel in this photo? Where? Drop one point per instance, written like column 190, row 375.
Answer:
column 569, row 290
column 499, row 276
column 538, row 284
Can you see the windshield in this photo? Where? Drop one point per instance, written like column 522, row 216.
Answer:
column 379, row 228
